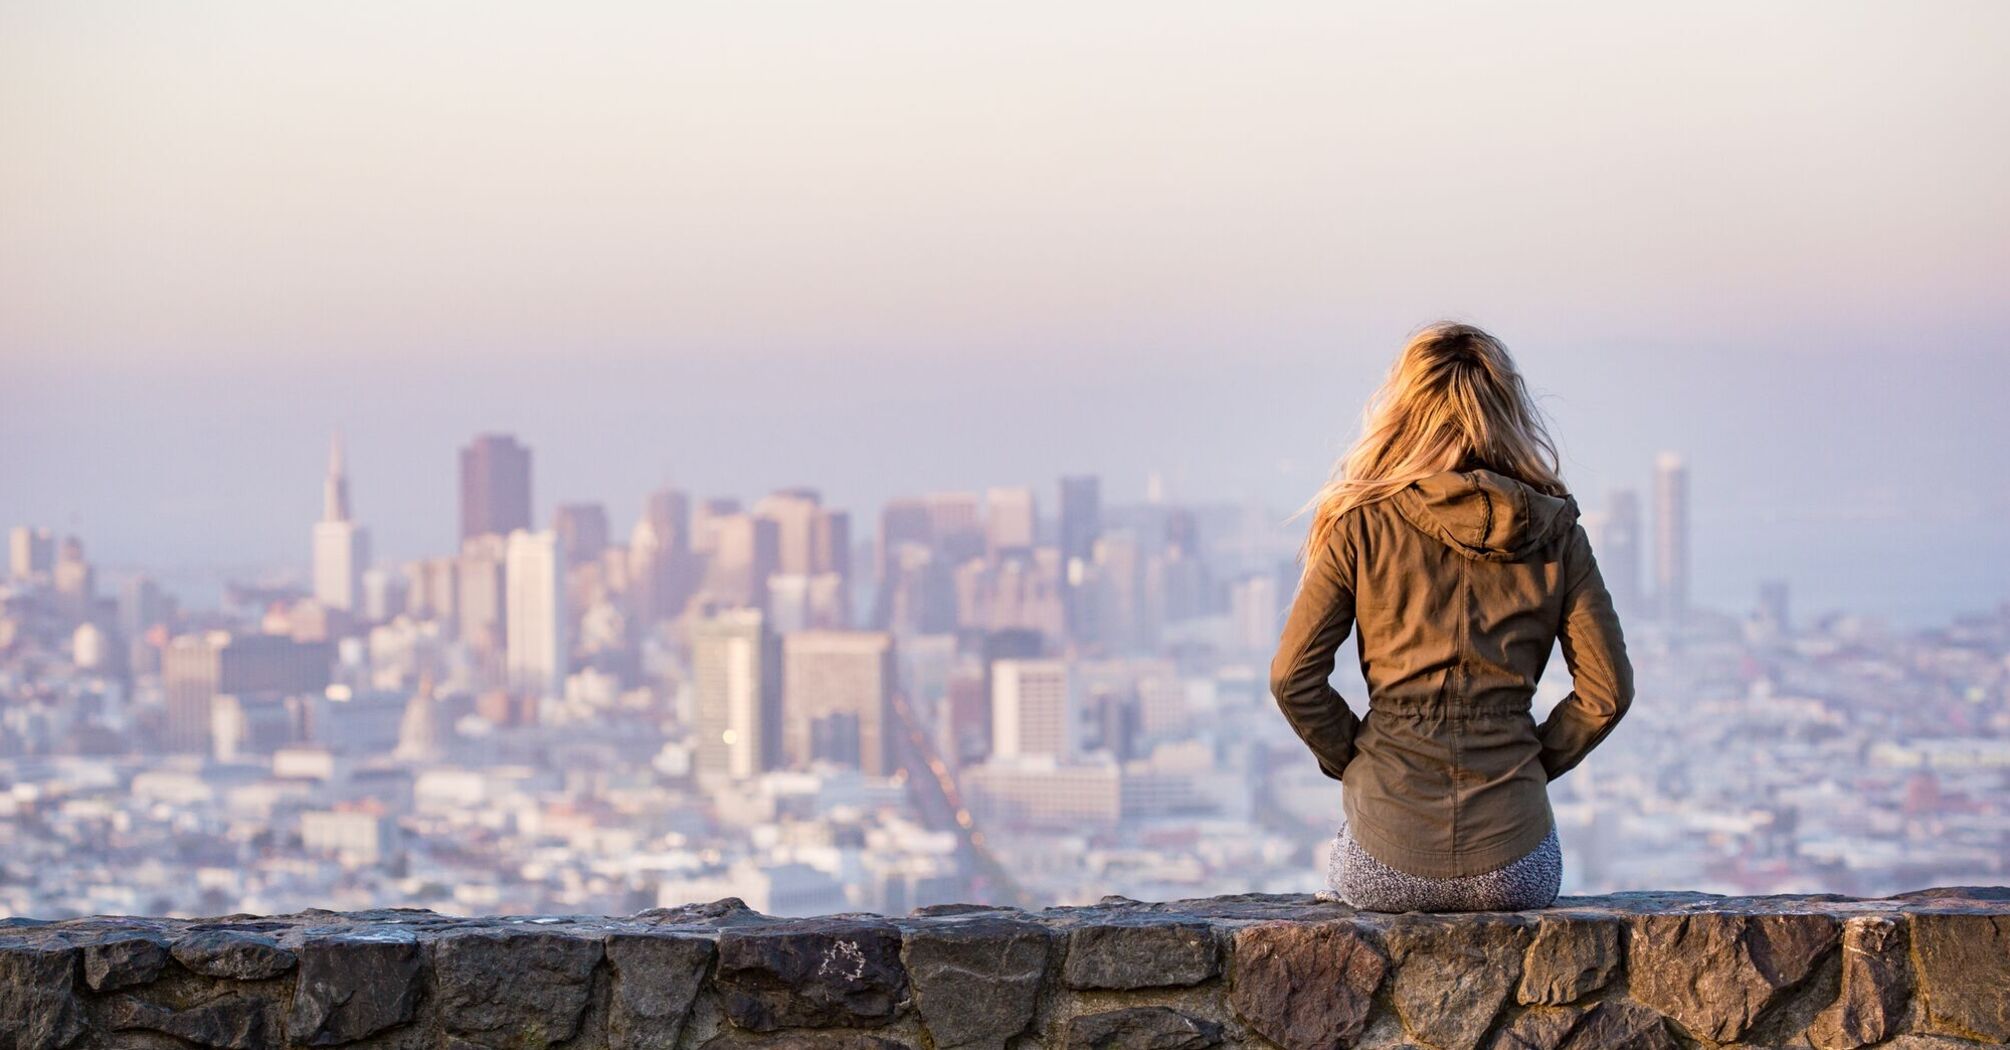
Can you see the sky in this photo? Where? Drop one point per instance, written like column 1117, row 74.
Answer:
column 885, row 248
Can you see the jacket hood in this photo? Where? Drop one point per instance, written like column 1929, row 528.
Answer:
column 1486, row 515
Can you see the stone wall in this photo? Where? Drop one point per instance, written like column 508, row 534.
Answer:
column 1653, row 970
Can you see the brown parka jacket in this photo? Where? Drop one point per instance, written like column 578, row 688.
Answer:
column 1460, row 585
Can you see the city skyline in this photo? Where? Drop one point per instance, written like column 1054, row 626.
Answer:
column 880, row 251
column 850, row 458
column 1636, row 566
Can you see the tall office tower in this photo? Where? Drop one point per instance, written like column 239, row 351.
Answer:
column 737, row 672
column 794, row 512
column 830, row 544
column 495, row 486
column 1671, row 536
column 705, row 521
column 582, row 531
column 76, row 581
column 648, row 566
column 538, row 651
column 668, row 511
column 1023, row 589
column 837, row 699
column 341, row 547
column 1032, row 709
column 901, row 522
column 1256, row 612
column 1618, row 549
column 1081, row 525
column 807, row 603
column 384, row 595
column 1120, row 598
column 1081, row 516
column 1011, row 522
column 31, row 552
column 199, row 667
column 433, row 590
column 479, row 602
column 744, row 555
column 955, row 526
column 917, row 593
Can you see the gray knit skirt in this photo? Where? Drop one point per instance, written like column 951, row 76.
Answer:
column 1354, row 877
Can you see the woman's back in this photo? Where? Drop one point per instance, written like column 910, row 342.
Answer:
column 1461, row 583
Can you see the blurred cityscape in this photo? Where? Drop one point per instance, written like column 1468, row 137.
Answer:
column 1020, row 694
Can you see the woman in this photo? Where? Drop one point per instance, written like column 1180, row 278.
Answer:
column 1448, row 539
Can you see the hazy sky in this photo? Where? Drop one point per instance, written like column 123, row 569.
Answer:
column 884, row 248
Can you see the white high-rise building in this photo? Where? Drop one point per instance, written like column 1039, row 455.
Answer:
column 1256, row 612
column 1032, row 709
column 737, row 675
column 535, row 647
column 31, row 553
column 1010, row 520
column 794, row 512
column 341, row 547
column 1671, row 536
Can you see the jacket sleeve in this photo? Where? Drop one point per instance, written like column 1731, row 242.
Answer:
column 1321, row 616
column 1594, row 649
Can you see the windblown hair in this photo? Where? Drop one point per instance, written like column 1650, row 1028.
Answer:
column 1453, row 401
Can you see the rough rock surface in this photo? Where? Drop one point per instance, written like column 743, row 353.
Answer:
column 977, row 983
column 1639, row 971
column 1717, row 973
column 1454, row 975
column 655, row 977
column 815, row 973
column 1156, row 1027
column 1572, row 956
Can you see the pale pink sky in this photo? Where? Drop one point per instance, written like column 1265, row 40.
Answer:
column 1176, row 235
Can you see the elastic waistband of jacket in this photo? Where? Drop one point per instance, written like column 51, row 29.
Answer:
column 1450, row 707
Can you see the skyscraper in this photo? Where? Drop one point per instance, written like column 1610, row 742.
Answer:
column 744, row 555
column 1081, row 526
column 1081, row 516
column 669, row 514
column 1671, row 536
column 1032, row 709
column 705, row 521
column 31, row 552
column 341, row 547
column 1618, row 549
column 495, row 486
column 830, row 545
column 480, row 605
column 794, row 512
column 736, row 672
column 837, row 699
column 1010, row 520
column 901, row 522
column 955, row 526
column 537, row 650
column 197, row 668
column 582, row 531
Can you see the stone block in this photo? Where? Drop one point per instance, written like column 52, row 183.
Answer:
column 1306, row 986
column 1158, row 953
column 977, row 982
column 812, row 973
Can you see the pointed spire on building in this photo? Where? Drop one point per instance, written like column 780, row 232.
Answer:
column 335, row 494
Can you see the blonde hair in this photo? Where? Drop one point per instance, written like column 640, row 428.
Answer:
column 1453, row 400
